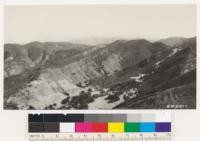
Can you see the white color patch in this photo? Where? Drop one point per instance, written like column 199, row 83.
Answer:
column 67, row 127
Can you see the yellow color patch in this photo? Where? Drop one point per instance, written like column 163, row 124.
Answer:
column 115, row 127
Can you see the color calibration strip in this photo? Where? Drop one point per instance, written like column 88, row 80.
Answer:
column 99, row 123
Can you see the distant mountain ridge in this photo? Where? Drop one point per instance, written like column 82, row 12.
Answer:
column 93, row 41
column 173, row 41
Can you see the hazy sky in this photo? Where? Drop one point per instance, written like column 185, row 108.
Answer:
column 62, row 23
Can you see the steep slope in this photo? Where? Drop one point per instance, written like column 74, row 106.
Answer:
column 168, row 83
column 18, row 58
column 100, row 62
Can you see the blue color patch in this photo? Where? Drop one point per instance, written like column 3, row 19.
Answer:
column 147, row 127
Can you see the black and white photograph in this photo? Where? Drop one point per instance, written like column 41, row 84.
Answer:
column 68, row 57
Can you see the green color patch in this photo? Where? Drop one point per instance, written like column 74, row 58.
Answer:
column 132, row 127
